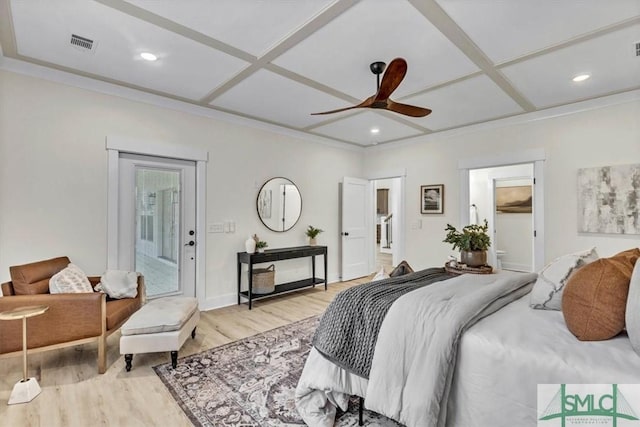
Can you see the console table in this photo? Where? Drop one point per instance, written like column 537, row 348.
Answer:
column 280, row 255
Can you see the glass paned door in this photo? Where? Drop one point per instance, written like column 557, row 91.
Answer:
column 157, row 229
column 157, row 222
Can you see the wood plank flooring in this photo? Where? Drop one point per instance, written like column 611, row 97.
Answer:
column 74, row 394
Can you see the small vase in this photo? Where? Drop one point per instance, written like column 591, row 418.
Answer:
column 473, row 258
column 312, row 241
column 250, row 245
column 261, row 250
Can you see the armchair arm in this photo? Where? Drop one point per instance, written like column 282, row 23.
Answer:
column 70, row 317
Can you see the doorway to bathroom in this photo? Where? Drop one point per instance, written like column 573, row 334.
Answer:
column 503, row 196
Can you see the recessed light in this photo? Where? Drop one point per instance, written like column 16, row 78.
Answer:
column 375, row 130
column 581, row 77
column 148, row 56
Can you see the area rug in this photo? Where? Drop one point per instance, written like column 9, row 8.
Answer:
column 251, row 382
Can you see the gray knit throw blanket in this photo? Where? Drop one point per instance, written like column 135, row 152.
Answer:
column 348, row 330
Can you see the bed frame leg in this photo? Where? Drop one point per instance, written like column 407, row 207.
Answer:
column 360, row 412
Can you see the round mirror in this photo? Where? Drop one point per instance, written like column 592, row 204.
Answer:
column 279, row 204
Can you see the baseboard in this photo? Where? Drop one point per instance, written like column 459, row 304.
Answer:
column 516, row 266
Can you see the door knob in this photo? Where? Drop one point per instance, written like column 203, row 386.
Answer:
column 191, row 243
column 345, row 233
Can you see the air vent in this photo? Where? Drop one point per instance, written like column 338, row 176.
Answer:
column 638, row 49
column 82, row 43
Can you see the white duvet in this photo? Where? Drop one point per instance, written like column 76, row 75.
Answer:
column 415, row 353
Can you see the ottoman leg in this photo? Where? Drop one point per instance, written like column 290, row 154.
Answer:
column 193, row 333
column 174, row 359
column 128, row 358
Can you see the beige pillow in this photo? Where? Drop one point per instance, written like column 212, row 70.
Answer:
column 69, row 280
column 402, row 269
column 595, row 297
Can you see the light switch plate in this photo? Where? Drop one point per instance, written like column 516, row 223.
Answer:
column 215, row 227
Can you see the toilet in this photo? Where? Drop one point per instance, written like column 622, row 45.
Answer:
column 499, row 255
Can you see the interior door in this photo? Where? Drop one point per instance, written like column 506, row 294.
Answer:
column 355, row 223
column 157, row 218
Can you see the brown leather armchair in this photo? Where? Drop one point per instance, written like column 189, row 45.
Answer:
column 72, row 319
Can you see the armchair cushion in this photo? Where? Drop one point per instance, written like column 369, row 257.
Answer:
column 33, row 278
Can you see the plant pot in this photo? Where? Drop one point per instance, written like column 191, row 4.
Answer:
column 473, row 258
column 261, row 250
column 312, row 241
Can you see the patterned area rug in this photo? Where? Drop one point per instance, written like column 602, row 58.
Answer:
column 251, row 382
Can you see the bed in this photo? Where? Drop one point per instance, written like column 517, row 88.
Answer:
column 488, row 372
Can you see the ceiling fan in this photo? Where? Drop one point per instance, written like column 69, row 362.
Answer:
column 390, row 81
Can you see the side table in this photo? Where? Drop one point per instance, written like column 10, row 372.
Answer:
column 27, row 388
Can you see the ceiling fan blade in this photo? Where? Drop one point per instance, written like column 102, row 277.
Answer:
column 407, row 110
column 392, row 78
column 366, row 103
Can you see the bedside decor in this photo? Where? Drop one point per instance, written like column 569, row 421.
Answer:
column 312, row 233
column 432, row 199
column 608, row 199
column 473, row 242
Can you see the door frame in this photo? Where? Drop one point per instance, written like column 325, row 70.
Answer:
column 116, row 144
column 399, row 237
column 535, row 156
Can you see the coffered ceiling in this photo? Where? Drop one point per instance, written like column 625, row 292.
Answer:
column 277, row 61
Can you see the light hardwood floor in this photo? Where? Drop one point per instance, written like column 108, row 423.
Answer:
column 74, row 394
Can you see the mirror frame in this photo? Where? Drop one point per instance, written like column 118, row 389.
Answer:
column 258, row 208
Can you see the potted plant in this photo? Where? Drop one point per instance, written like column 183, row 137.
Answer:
column 260, row 245
column 312, row 233
column 473, row 242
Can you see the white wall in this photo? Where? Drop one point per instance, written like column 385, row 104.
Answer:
column 604, row 136
column 53, row 178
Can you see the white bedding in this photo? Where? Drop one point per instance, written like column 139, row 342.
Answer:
column 501, row 359
column 415, row 352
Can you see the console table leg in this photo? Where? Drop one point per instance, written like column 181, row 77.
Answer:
column 313, row 271
column 239, row 279
column 325, row 270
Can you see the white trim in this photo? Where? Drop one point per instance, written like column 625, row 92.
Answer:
column 502, row 159
column 115, row 145
column 537, row 157
column 514, row 266
column 53, row 75
column 146, row 147
column 538, row 216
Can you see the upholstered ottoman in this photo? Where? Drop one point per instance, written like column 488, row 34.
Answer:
column 162, row 324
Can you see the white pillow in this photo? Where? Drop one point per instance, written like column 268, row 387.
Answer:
column 119, row 284
column 69, row 280
column 632, row 313
column 547, row 291
column 380, row 275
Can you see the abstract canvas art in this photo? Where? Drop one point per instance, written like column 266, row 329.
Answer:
column 609, row 199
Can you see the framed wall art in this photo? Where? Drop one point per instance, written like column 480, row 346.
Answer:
column 432, row 199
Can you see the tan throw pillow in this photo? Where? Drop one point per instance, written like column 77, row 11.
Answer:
column 70, row 280
column 595, row 297
column 402, row 269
